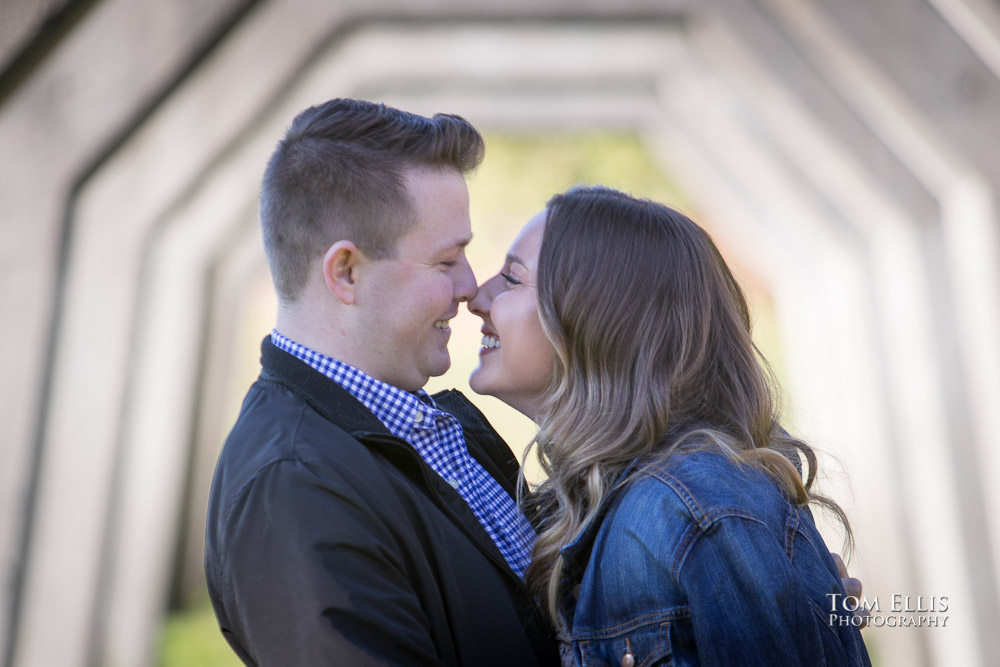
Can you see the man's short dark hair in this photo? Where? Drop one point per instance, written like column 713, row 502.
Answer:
column 339, row 174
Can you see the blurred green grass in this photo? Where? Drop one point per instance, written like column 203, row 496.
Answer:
column 191, row 638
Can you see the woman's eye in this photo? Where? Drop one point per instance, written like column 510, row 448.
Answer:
column 511, row 280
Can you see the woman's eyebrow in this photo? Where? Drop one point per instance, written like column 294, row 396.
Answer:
column 512, row 258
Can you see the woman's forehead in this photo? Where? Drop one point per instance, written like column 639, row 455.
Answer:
column 526, row 246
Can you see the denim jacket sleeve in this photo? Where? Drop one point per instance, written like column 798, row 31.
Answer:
column 747, row 601
column 708, row 563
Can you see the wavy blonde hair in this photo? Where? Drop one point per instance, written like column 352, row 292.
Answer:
column 652, row 346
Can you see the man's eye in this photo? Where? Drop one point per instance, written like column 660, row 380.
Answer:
column 450, row 263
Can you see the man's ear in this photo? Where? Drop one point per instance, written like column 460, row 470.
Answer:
column 340, row 265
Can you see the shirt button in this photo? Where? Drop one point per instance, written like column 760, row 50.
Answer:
column 453, row 482
column 418, row 416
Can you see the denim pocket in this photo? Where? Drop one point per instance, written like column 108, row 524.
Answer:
column 647, row 644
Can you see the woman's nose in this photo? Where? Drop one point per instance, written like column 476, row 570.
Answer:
column 480, row 304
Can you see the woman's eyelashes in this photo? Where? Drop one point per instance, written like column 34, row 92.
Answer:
column 510, row 279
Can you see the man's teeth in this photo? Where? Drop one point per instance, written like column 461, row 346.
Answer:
column 442, row 324
column 490, row 342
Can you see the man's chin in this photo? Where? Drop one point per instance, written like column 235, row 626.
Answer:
column 440, row 368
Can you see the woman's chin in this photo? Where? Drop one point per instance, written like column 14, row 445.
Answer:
column 478, row 383
column 483, row 384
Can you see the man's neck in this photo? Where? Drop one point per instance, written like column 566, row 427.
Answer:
column 313, row 326
column 307, row 326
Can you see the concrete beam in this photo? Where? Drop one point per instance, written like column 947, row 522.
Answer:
column 844, row 168
column 52, row 128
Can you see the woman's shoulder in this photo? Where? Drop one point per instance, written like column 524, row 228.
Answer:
column 701, row 485
column 665, row 504
column 668, row 505
column 661, row 502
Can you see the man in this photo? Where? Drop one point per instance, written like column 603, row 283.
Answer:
column 354, row 519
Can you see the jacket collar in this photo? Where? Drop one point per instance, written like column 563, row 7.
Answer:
column 576, row 554
column 323, row 394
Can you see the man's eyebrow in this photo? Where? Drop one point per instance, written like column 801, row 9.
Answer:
column 460, row 243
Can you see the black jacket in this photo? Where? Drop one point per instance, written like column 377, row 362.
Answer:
column 330, row 541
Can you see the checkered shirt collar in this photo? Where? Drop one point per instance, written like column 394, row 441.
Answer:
column 392, row 406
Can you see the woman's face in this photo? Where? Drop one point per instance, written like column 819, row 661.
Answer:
column 515, row 360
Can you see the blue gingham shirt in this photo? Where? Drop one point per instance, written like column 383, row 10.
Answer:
column 437, row 436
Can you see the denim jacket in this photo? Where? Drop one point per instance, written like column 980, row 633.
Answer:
column 699, row 560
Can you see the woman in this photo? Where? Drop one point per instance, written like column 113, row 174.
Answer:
column 674, row 526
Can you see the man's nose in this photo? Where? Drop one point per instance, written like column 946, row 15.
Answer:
column 465, row 284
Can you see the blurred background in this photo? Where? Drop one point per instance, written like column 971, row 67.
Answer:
column 843, row 154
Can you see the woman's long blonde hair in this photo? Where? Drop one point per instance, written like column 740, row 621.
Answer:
column 652, row 345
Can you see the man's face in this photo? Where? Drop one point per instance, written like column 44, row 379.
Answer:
column 408, row 300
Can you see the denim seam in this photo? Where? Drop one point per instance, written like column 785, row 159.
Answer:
column 806, row 537
column 632, row 624
column 791, row 528
column 824, row 619
column 695, row 531
column 663, row 647
column 663, row 638
column 702, row 518
column 703, row 521
column 686, row 497
column 691, row 535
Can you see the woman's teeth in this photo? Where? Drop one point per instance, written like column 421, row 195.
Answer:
column 490, row 342
column 441, row 324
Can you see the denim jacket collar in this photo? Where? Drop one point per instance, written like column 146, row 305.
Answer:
column 576, row 554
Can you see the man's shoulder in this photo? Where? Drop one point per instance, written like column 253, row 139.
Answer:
column 275, row 418
column 277, row 428
column 283, row 453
